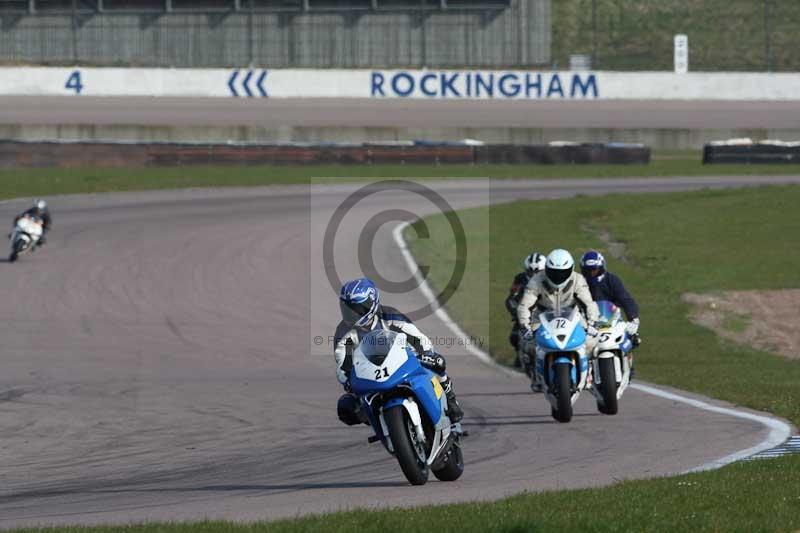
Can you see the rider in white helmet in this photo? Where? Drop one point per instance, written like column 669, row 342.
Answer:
column 39, row 211
column 533, row 263
column 558, row 286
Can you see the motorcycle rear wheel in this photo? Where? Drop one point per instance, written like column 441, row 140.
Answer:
column 414, row 468
column 454, row 466
column 564, row 394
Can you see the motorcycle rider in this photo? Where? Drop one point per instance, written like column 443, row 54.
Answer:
column 362, row 312
column 532, row 263
column 607, row 286
column 40, row 212
column 558, row 286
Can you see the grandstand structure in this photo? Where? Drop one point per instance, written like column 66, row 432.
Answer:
column 277, row 33
column 220, row 6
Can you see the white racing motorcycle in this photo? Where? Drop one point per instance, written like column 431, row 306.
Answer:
column 562, row 364
column 24, row 236
column 611, row 365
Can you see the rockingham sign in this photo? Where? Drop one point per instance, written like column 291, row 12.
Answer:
column 260, row 82
column 478, row 84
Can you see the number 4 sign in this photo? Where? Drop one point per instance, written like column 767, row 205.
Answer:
column 74, row 82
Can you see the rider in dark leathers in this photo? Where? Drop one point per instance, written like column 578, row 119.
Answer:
column 606, row 286
column 533, row 263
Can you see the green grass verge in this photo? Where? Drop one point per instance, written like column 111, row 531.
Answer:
column 755, row 496
column 674, row 243
column 36, row 182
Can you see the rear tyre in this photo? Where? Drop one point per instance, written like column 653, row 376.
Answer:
column 608, row 386
column 454, row 466
column 12, row 257
column 563, row 393
column 409, row 453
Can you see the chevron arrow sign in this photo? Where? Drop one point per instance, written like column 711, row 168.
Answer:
column 248, row 83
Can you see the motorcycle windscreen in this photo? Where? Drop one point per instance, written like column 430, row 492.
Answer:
column 551, row 314
column 609, row 313
column 377, row 344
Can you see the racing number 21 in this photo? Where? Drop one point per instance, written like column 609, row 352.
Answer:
column 74, row 82
column 381, row 372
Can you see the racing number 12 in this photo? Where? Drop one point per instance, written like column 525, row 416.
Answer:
column 74, row 82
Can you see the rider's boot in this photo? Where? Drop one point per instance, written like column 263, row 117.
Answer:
column 454, row 410
column 536, row 381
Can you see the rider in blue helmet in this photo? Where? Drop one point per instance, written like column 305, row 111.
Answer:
column 362, row 312
column 606, row 286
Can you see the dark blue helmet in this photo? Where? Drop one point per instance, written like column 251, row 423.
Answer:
column 359, row 301
column 593, row 266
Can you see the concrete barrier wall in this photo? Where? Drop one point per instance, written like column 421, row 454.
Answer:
column 421, row 84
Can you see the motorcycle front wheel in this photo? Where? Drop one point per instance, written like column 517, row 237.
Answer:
column 409, row 451
column 564, row 394
column 608, row 386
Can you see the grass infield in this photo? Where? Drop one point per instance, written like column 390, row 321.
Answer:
column 667, row 244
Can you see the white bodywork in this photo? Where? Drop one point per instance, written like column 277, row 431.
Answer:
column 609, row 346
column 29, row 231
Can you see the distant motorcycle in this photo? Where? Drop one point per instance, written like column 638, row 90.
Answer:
column 406, row 405
column 611, row 366
column 562, row 364
column 24, row 237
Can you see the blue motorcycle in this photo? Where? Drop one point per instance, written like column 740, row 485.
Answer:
column 406, row 407
column 562, row 363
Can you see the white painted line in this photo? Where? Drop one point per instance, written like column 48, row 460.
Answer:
column 484, row 357
column 779, row 431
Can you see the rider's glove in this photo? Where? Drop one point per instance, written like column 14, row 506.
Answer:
column 432, row 361
column 346, row 385
column 591, row 330
column 633, row 327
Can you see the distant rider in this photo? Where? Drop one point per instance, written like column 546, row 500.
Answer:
column 559, row 286
column 359, row 301
column 607, row 286
column 533, row 263
column 38, row 212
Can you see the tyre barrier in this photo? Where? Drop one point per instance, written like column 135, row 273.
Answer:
column 745, row 151
column 50, row 154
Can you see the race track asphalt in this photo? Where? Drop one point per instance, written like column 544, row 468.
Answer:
column 398, row 113
column 159, row 363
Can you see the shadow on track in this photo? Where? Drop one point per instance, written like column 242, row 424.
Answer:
column 485, row 421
